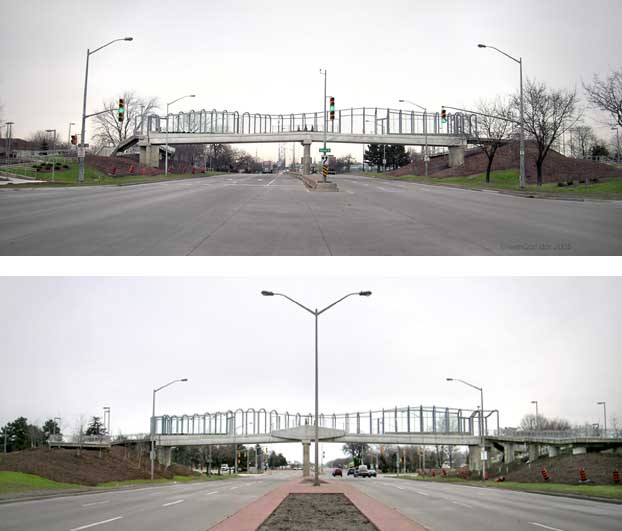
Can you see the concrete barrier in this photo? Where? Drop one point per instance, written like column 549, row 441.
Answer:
column 316, row 183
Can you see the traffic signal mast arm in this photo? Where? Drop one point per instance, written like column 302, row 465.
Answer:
column 100, row 112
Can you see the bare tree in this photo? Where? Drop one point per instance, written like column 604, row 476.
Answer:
column 607, row 94
column 582, row 139
column 548, row 113
column 494, row 127
column 109, row 131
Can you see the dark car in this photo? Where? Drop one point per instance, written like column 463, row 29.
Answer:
column 337, row 472
column 372, row 473
column 351, row 472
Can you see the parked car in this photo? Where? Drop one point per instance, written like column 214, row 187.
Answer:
column 351, row 472
column 224, row 469
column 337, row 472
column 372, row 473
column 362, row 471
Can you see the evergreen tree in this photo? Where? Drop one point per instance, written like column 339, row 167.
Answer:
column 96, row 427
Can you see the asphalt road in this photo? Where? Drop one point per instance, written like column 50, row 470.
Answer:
column 447, row 507
column 261, row 215
column 180, row 507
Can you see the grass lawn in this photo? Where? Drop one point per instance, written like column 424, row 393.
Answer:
column 508, row 180
column 602, row 491
column 69, row 177
column 20, row 482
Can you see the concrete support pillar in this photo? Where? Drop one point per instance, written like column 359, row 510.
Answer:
column 553, row 451
column 150, row 155
column 475, row 461
column 578, row 450
column 508, row 453
column 456, row 156
column 164, row 455
column 306, row 159
column 306, row 461
column 533, row 451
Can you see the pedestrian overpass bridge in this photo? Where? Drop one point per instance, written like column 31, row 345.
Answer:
column 364, row 125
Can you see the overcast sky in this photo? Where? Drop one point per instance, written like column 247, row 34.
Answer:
column 265, row 56
column 73, row 345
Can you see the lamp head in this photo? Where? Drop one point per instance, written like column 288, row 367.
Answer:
column 184, row 380
column 449, row 379
column 600, row 403
column 267, row 293
column 481, row 46
column 534, row 401
column 401, row 101
column 364, row 293
column 128, row 39
column 193, row 95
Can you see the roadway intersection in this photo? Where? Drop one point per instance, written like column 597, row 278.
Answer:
column 274, row 215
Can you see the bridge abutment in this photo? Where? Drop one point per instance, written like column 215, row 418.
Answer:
column 533, row 451
column 508, row 453
column 553, row 451
column 456, row 156
column 475, row 461
column 306, row 461
column 306, row 158
column 164, row 455
column 149, row 155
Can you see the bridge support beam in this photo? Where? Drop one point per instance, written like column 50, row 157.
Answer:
column 534, row 451
column 164, row 455
column 456, row 156
column 150, row 155
column 553, row 451
column 306, row 158
column 475, row 461
column 508, row 453
column 578, row 450
column 306, row 461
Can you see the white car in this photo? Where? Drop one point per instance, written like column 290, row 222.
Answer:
column 224, row 469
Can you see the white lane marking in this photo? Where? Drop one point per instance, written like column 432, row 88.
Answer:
column 233, row 488
column 463, row 504
column 546, row 526
column 213, row 492
column 271, row 182
column 95, row 503
column 173, row 503
column 96, row 523
column 422, row 493
column 401, row 488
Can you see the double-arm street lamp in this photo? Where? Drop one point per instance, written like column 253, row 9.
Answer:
column 481, row 422
column 604, row 404
column 522, row 181
column 167, row 106
column 81, row 153
column 537, row 416
column 426, row 157
column 152, row 453
column 316, row 313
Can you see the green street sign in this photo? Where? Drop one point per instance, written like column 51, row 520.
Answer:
column 324, row 150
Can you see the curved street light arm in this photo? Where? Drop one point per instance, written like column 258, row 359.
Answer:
column 507, row 55
column 170, row 383
column 415, row 104
column 467, row 383
column 186, row 96
column 108, row 44
column 295, row 302
column 337, row 302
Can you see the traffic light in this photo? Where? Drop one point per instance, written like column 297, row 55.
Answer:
column 332, row 108
column 121, row 109
column 443, row 116
column 74, row 140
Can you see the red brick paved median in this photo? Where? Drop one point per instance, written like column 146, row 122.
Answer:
column 253, row 515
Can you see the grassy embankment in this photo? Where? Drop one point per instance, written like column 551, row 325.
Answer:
column 508, row 180
column 600, row 491
column 69, row 177
column 14, row 482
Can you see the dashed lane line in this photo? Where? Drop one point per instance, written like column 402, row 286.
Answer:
column 546, row 526
column 210, row 493
column 96, row 523
column 463, row 504
column 95, row 503
column 172, row 503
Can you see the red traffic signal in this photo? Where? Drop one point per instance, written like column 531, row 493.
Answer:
column 121, row 109
column 332, row 108
column 74, row 140
column 444, row 116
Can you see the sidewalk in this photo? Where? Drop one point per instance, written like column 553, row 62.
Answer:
column 253, row 515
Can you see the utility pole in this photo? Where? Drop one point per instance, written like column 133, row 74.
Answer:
column 324, row 156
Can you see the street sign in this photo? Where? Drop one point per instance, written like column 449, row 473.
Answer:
column 384, row 162
column 81, row 152
column 324, row 150
column 484, row 455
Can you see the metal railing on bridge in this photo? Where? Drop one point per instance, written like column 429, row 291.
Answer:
column 587, row 432
column 352, row 121
column 409, row 419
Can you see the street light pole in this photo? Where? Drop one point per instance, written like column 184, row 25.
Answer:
column 316, row 313
column 167, row 106
column 617, row 130
column 604, row 404
column 481, row 422
column 152, row 453
column 522, row 182
column 9, row 130
column 425, row 131
column 107, row 419
column 537, row 416
column 86, row 82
